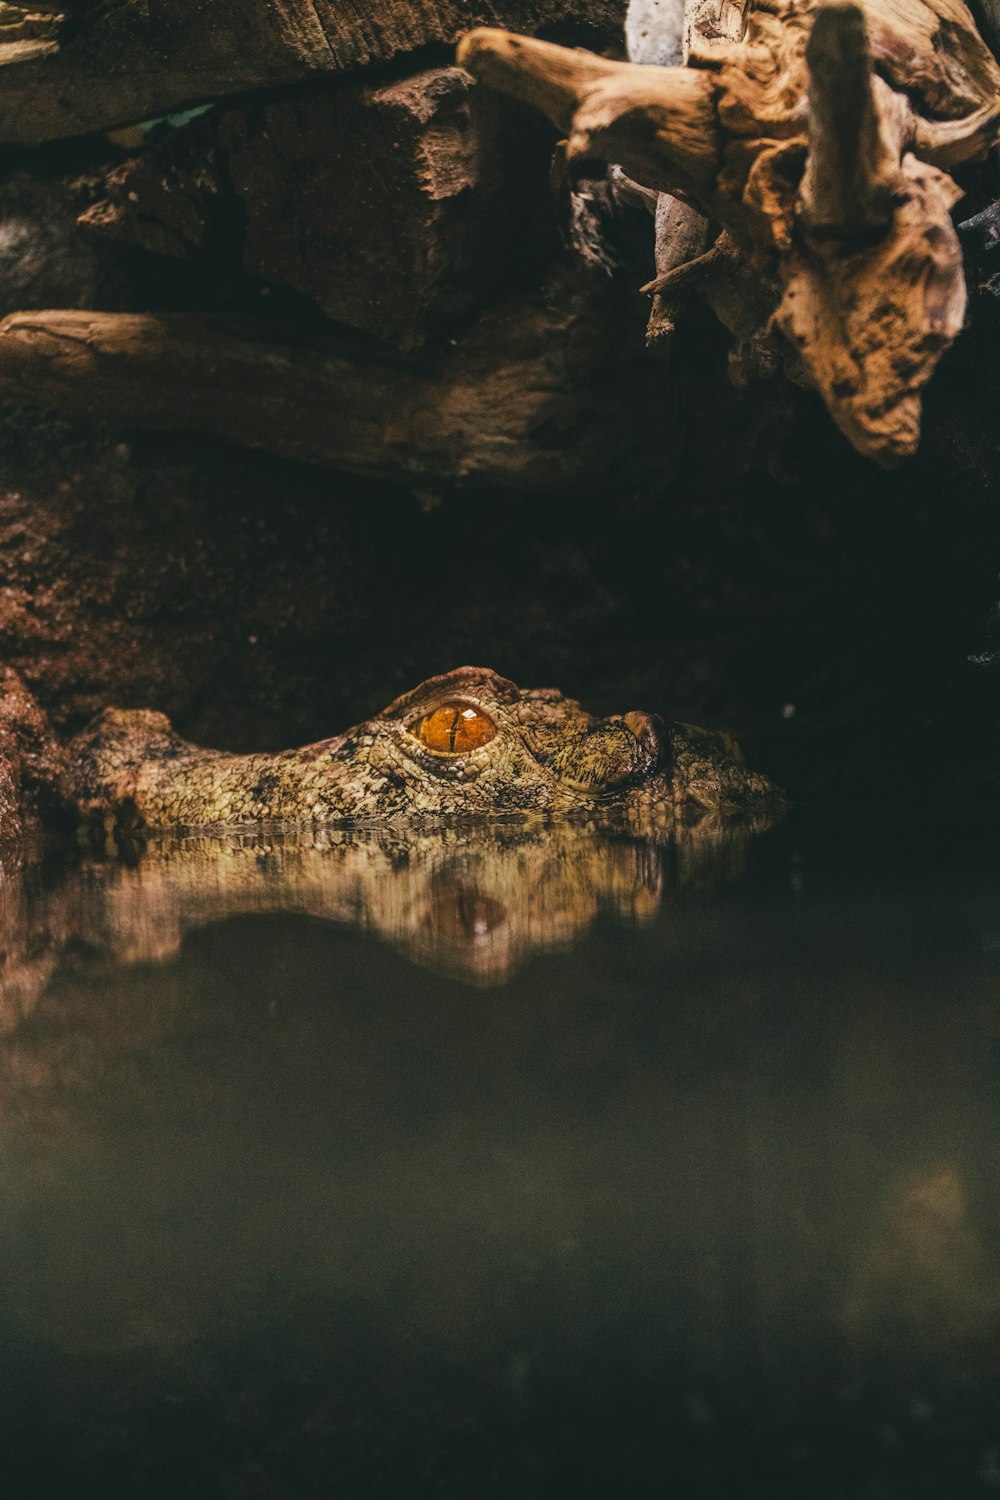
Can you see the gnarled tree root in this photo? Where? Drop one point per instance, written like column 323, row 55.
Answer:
column 821, row 142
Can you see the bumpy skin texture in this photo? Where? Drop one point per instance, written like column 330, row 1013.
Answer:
column 32, row 762
column 546, row 755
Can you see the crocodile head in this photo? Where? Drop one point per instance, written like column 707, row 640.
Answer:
column 468, row 743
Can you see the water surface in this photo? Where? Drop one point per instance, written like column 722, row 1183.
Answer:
column 514, row 1164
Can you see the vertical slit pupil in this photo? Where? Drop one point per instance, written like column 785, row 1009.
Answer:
column 455, row 728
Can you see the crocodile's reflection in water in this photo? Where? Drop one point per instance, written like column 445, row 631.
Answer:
column 472, row 901
column 270, row 1187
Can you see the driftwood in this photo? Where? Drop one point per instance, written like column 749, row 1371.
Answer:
column 129, row 61
column 528, row 400
column 822, row 143
column 681, row 232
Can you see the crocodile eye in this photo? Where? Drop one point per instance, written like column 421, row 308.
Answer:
column 455, row 728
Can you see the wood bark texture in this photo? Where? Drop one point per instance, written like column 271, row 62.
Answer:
column 110, row 64
column 822, row 142
column 681, row 232
column 528, row 401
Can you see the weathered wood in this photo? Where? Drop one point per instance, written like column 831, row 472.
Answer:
column 711, row 23
column 680, row 236
column 133, row 61
column 931, row 50
column 654, row 32
column 845, row 205
column 681, row 231
column 531, row 399
column 850, row 172
column 658, row 123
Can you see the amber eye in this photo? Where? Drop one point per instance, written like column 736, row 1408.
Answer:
column 455, row 728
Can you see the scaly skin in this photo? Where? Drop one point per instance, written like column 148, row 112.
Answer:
column 546, row 756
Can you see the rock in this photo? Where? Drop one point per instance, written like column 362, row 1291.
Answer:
column 395, row 209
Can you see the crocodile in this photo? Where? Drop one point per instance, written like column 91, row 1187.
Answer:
column 469, row 743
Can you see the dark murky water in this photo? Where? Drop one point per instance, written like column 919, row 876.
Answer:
column 527, row 1166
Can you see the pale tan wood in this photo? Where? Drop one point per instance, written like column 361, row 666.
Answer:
column 850, row 171
column 681, row 235
column 828, row 178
